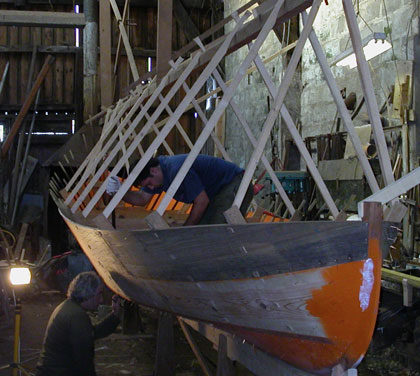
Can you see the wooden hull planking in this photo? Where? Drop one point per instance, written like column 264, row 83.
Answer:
column 291, row 289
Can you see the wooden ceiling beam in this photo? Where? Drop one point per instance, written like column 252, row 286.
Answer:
column 190, row 4
column 41, row 19
column 245, row 35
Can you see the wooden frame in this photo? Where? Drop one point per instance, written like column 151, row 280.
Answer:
column 121, row 131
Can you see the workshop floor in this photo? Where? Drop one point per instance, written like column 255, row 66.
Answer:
column 134, row 354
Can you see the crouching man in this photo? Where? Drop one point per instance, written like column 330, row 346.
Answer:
column 68, row 347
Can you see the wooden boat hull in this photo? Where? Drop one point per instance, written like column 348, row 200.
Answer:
column 292, row 289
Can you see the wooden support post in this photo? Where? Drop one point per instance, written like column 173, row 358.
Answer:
column 105, row 52
column 203, row 118
column 224, row 364
column 3, row 78
column 164, row 363
column 194, row 347
column 125, row 39
column 340, row 371
column 117, row 54
column 407, row 293
column 6, row 247
column 251, row 357
column 342, row 109
column 368, row 92
column 164, row 37
column 26, row 105
column 20, row 240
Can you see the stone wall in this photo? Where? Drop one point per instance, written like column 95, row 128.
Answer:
column 397, row 16
column 309, row 99
column 253, row 98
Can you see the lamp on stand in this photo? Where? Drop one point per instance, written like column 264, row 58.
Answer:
column 19, row 277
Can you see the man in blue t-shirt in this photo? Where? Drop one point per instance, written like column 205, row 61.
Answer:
column 210, row 185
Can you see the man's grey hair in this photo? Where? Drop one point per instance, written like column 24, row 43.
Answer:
column 84, row 286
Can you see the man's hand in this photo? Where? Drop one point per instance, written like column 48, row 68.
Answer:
column 116, row 306
column 113, row 185
column 199, row 207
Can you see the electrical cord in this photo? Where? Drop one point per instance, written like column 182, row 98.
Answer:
column 10, row 235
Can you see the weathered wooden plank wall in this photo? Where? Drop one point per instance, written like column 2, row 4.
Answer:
column 17, row 44
column 58, row 88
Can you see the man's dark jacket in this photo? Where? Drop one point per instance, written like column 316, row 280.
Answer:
column 68, row 348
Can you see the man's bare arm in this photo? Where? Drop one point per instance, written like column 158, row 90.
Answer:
column 138, row 198
column 199, row 207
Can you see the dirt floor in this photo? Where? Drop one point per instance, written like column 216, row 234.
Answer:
column 134, row 354
column 118, row 354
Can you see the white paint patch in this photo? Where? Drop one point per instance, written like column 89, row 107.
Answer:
column 355, row 365
column 366, row 288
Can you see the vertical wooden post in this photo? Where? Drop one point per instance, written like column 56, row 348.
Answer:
column 164, row 362
column 90, row 57
column 407, row 293
column 105, row 50
column 164, row 37
column 224, row 364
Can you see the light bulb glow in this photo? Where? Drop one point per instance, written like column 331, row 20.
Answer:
column 20, row 276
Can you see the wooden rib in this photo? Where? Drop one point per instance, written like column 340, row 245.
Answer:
column 253, row 141
column 100, row 153
column 197, row 102
column 273, row 114
column 203, row 118
column 178, row 125
column 126, row 42
column 94, row 153
column 295, row 134
column 368, row 92
column 344, row 113
column 148, row 154
column 171, row 122
column 156, row 130
column 111, row 140
column 228, row 95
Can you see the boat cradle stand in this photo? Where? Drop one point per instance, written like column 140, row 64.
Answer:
column 230, row 348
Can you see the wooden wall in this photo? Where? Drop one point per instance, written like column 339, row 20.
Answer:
column 16, row 46
column 142, row 32
column 61, row 97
